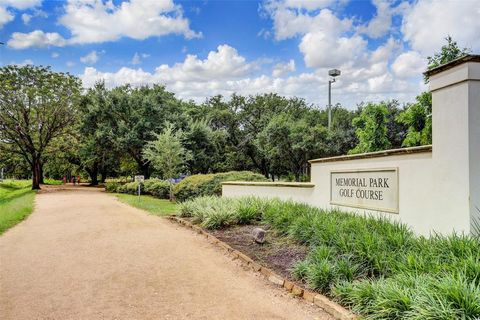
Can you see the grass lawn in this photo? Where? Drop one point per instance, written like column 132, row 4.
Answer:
column 159, row 207
column 16, row 202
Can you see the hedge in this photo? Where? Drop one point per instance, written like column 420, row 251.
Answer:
column 154, row 187
column 210, row 184
column 190, row 187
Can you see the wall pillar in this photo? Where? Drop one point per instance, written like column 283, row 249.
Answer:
column 455, row 91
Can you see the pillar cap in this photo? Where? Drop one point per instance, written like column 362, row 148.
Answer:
column 453, row 63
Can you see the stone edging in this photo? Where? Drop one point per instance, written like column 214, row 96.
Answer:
column 333, row 308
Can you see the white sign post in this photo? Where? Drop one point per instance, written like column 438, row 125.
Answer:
column 140, row 180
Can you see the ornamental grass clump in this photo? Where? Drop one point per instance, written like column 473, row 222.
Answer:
column 374, row 266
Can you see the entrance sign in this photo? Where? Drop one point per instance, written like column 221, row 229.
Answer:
column 374, row 189
column 139, row 178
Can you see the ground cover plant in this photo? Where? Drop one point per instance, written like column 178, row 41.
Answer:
column 376, row 267
column 16, row 202
column 159, row 207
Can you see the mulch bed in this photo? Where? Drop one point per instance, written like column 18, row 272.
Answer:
column 277, row 253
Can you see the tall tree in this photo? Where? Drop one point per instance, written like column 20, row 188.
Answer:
column 36, row 106
column 136, row 114
column 167, row 154
column 371, row 129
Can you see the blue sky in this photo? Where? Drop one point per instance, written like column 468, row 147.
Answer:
column 202, row 48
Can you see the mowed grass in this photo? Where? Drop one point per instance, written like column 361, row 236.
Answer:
column 159, row 207
column 16, row 202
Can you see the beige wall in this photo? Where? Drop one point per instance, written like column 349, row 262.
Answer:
column 438, row 190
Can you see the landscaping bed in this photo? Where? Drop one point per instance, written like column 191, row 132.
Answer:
column 277, row 253
column 377, row 268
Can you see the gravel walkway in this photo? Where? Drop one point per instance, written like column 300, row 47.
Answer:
column 84, row 255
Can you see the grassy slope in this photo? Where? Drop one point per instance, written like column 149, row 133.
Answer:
column 159, row 207
column 16, row 203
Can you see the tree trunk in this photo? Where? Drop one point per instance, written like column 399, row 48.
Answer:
column 103, row 175
column 41, row 173
column 36, row 172
column 93, row 173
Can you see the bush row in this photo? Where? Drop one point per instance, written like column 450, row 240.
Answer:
column 190, row 187
column 210, row 184
column 377, row 267
column 154, row 187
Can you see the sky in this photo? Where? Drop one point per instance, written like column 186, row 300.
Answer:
column 202, row 48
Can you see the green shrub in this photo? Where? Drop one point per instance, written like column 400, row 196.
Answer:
column 157, row 188
column 154, row 187
column 112, row 186
column 210, row 184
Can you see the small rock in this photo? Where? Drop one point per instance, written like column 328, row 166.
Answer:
column 259, row 235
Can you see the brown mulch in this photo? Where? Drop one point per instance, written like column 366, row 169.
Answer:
column 277, row 253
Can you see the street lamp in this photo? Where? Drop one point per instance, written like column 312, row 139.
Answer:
column 332, row 73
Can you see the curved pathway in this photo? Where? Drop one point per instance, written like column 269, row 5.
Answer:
column 82, row 254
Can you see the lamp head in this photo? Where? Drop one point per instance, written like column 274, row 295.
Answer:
column 334, row 72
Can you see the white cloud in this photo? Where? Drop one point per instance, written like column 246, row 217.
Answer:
column 281, row 69
column 427, row 22
column 93, row 21
column 36, row 39
column 225, row 72
column 381, row 22
column 55, row 55
column 409, row 64
column 20, row 4
column 321, row 50
column 26, row 18
column 308, row 4
column 90, row 58
column 70, row 64
column 5, row 16
column 288, row 23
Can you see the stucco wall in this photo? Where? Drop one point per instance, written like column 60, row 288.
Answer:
column 295, row 192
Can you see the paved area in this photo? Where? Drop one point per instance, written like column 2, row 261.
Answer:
column 82, row 254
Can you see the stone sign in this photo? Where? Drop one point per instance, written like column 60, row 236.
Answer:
column 373, row 189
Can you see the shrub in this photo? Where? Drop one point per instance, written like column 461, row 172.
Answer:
column 154, row 187
column 157, row 188
column 112, row 186
column 210, row 184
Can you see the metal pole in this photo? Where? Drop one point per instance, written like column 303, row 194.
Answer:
column 329, row 104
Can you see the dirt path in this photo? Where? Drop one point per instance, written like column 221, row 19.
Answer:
column 84, row 255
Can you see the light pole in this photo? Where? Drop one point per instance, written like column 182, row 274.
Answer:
column 332, row 73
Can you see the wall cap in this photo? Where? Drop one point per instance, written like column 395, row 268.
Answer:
column 270, row 184
column 376, row 154
column 453, row 63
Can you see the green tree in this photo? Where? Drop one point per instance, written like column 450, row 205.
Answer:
column 449, row 52
column 37, row 105
column 371, row 129
column 136, row 114
column 418, row 118
column 167, row 154
column 289, row 143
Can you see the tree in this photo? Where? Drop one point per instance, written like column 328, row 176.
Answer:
column 418, row 118
column 371, row 129
column 36, row 106
column 448, row 52
column 167, row 154
column 289, row 143
column 136, row 114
